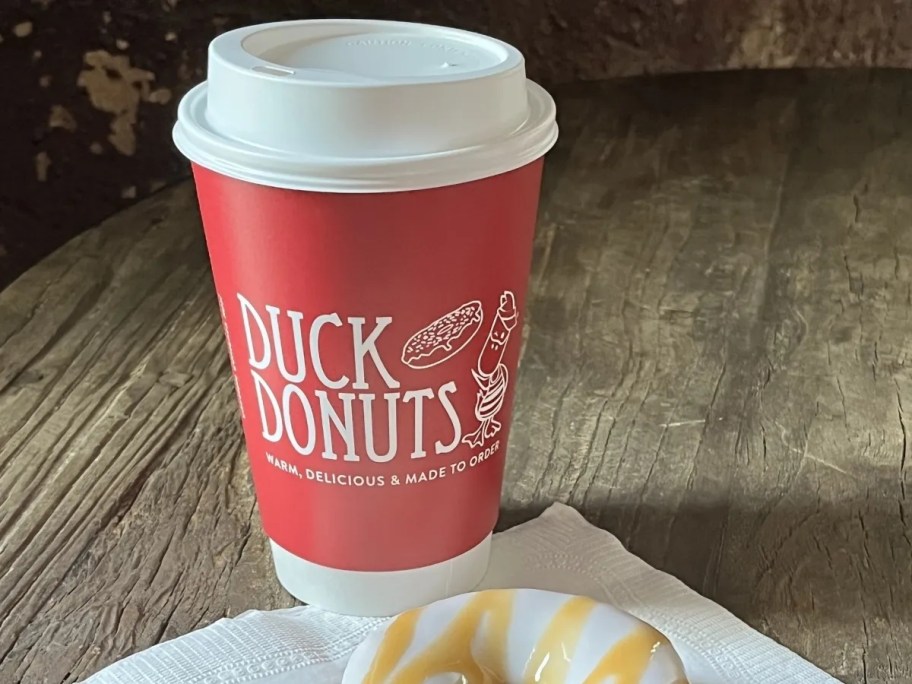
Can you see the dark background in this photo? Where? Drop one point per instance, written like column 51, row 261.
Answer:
column 89, row 89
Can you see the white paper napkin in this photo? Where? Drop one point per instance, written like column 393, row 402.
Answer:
column 559, row 551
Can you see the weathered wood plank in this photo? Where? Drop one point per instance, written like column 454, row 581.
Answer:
column 126, row 509
column 715, row 370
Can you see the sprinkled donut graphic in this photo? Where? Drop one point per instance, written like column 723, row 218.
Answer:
column 444, row 338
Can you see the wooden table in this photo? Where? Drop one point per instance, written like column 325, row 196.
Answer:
column 718, row 368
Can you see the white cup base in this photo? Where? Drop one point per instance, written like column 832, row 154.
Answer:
column 379, row 594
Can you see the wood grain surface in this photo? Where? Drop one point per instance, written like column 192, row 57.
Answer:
column 714, row 369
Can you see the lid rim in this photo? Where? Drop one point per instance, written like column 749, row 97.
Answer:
column 203, row 146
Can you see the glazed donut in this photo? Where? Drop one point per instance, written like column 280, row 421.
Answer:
column 515, row 636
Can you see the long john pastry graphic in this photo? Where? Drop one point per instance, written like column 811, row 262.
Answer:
column 491, row 374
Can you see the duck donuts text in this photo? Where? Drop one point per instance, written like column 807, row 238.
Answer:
column 363, row 398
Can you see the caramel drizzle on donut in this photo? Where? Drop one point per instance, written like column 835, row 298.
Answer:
column 628, row 660
column 395, row 643
column 549, row 663
column 550, row 659
column 452, row 652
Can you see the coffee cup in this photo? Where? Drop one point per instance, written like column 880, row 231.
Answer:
column 369, row 193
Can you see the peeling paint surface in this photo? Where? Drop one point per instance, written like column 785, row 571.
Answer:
column 100, row 82
column 42, row 164
column 116, row 87
column 23, row 29
column 60, row 117
column 159, row 96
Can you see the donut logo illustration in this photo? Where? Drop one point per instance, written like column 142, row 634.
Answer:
column 450, row 334
column 444, row 338
column 491, row 374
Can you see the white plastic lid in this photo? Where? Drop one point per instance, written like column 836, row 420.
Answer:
column 363, row 106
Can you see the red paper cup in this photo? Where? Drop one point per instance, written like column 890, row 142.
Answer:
column 374, row 330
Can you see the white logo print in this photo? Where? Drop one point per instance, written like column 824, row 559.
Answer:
column 444, row 338
column 491, row 374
